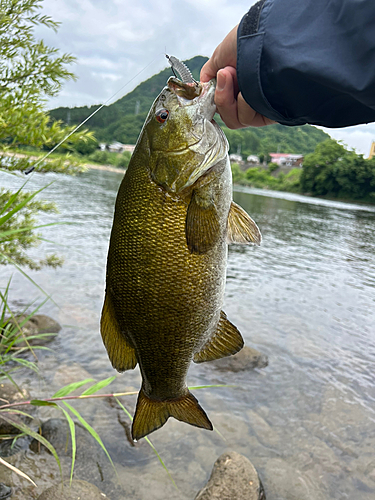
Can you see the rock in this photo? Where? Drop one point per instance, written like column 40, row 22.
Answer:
column 79, row 490
column 39, row 323
column 91, row 463
column 68, row 373
column 10, row 393
column 247, row 359
column 5, row 491
column 233, row 478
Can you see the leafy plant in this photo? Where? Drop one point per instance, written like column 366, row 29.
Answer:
column 10, row 412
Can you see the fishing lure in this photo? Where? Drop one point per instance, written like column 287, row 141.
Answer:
column 181, row 68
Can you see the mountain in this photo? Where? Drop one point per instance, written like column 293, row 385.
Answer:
column 122, row 121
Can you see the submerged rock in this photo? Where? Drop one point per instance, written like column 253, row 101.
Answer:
column 247, row 359
column 68, row 373
column 77, row 490
column 233, row 478
column 39, row 323
column 5, row 491
column 91, row 464
column 9, row 393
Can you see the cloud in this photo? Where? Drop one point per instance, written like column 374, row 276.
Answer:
column 359, row 137
column 116, row 39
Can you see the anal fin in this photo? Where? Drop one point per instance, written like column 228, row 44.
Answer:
column 226, row 341
column 151, row 414
column 241, row 227
column 121, row 354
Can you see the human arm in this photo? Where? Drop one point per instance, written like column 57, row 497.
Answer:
column 305, row 62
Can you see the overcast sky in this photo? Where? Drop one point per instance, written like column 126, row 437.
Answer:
column 114, row 40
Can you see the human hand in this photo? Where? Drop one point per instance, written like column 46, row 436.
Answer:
column 232, row 107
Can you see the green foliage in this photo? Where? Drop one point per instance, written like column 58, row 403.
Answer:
column 101, row 157
column 238, row 175
column 272, row 167
column 18, row 213
column 85, row 146
column 123, row 160
column 334, row 171
column 29, row 72
column 120, row 121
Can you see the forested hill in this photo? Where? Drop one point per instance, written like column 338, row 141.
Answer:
column 123, row 120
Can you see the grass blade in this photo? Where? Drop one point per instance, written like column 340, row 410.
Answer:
column 96, row 387
column 17, row 471
column 40, row 402
column 24, row 428
column 65, row 391
column 92, row 431
column 17, row 208
column 74, row 444
column 150, row 443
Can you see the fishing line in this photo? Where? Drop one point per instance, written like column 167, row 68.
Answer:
column 32, row 167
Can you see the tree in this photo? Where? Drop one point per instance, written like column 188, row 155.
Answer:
column 30, row 72
column 335, row 171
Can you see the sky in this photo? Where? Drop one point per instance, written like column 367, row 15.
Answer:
column 120, row 43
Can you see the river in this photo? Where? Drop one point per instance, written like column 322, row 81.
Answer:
column 305, row 298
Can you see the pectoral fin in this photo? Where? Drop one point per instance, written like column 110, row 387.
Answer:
column 121, row 354
column 225, row 341
column 151, row 414
column 241, row 227
column 202, row 226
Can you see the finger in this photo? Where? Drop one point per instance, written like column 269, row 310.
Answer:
column 225, row 99
column 208, row 71
column 224, row 55
column 248, row 117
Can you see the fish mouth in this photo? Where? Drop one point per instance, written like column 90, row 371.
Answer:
column 188, row 91
column 201, row 93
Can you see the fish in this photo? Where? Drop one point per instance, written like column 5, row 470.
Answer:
column 166, row 267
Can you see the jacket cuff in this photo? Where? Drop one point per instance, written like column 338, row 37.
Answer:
column 250, row 39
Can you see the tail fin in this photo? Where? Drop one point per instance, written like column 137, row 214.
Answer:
column 152, row 414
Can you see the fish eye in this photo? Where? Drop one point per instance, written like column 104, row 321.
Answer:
column 162, row 115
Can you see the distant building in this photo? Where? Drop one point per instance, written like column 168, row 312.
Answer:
column 253, row 159
column 117, row 147
column 372, row 151
column 286, row 159
column 235, row 158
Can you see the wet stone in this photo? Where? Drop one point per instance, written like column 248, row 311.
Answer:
column 9, row 393
column 5, row 491
column 247, row 359
column 39, row 323
column 91, row 464
column 233, row 478
column 69, row 373
column 79, row 490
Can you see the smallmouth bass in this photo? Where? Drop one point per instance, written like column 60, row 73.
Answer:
column 166, row 265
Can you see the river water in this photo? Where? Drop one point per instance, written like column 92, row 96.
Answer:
column 305, row 298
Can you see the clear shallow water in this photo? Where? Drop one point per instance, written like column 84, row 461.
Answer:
column 305, row 298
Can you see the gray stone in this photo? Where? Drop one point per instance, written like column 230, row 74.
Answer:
column 39, row 323
column 91, row 464
column 9, row 393
column 79, row 490
column 5, row 491
column 247, row 359
column 233, row 478
column 66, row 374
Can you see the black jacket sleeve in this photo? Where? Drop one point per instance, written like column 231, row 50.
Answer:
column 309, row 61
